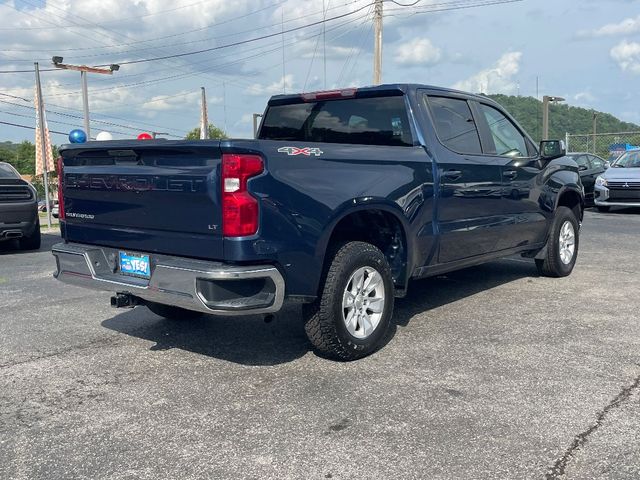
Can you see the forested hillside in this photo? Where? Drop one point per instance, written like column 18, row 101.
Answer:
column 562, row 118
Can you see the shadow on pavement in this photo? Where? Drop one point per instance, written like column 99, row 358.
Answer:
column 250, row 341
column 437, row 291
column 246, row 340
column 11, row 247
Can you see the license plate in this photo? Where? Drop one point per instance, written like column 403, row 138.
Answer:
column 135, row 264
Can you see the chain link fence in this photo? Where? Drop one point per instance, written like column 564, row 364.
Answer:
column 606, row 145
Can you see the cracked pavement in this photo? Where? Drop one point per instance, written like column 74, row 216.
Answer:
column 492, row 372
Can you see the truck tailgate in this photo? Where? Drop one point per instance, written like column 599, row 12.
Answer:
column 152, row 196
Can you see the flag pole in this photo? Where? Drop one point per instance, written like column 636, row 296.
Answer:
column 43, row 144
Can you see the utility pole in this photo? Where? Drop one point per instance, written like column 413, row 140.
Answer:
column 43, row 144
column 256, row 116
column 83, row 69
column 546, row 99
column 595, row 118
column 377, row 37
column 204, row 117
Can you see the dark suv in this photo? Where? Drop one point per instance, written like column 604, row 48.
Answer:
column 18, row 209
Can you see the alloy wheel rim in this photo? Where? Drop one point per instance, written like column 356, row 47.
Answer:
column 567, row 244
column 363, row 302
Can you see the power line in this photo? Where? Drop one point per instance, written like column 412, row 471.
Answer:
column 31, row 128
column 242, row 42
column 130, row 127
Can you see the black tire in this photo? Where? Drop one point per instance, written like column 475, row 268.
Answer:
column 603, row 209
column 171, row 312
column 33, row 241
column 552, row 265
column 324, row 319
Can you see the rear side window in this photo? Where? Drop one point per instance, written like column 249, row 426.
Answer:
column 6, row 171
column 455, row 126
column 368, row 121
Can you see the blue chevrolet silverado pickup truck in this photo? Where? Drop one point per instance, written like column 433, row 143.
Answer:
column 344, row 197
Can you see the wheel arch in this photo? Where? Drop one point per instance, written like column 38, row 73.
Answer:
column 573, row 199
column 388, row 231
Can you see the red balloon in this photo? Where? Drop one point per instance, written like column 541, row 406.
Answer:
column 144, row 136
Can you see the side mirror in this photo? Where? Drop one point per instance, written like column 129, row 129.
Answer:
column 582, row 168
column 607, row 165
column 550, row 149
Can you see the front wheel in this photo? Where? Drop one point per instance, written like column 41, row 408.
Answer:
column 562, row 246
column 353, row 314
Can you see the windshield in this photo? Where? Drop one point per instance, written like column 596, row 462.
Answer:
column 628, row 160
column 7, row 171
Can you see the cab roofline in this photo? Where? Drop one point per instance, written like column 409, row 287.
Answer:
column 391, row 89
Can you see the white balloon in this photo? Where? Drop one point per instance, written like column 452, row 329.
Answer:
column 104, row 136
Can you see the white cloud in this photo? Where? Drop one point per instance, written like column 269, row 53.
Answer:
column 182, row 100
column 585, row 97
column 495, row 79
column 625, row 27
column 285, row 83
column 419, row 51
column 627, row 56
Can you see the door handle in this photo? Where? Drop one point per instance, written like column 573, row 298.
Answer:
column 511, row 174
column 452, row 174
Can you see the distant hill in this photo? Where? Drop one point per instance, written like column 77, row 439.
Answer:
column 562, row 118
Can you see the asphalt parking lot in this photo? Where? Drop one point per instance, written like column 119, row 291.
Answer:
column 492, row 372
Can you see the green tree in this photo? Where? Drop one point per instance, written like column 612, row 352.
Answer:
column 214, row 132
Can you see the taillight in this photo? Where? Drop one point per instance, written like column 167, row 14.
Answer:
column 60, row 168
column 240, row 212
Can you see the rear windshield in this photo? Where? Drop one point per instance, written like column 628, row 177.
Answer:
column 368, row 121
column 6, row 171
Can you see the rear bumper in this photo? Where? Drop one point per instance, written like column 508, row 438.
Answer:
column 17, row 219
column 209, row 287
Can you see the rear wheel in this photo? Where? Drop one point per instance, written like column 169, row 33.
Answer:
column 603, row 209
column 171, row 312
column 353, row 313
column 33, row 241
column 562, row 246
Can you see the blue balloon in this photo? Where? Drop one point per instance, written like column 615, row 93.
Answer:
column 77, row 136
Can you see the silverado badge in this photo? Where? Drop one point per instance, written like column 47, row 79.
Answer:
column 306, row 151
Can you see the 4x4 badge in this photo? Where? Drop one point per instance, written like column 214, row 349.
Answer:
column 306, row 151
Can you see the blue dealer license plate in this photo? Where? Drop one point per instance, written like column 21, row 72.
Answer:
column 135, row 264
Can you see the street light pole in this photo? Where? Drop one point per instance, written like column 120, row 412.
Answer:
column 546, row 99
column 83, row 69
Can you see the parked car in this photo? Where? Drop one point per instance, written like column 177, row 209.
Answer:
column 619, row 185
column 590, row 167
column 42, row 205
column 55, row 211
column 342, row 199
column 18, row 209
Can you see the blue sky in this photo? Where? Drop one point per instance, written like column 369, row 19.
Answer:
column 587, row 51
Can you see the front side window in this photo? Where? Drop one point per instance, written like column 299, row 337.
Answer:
column 582, row 161
column 454, row 124
column 367, row 121
column 596, row 162
column 507, row 138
